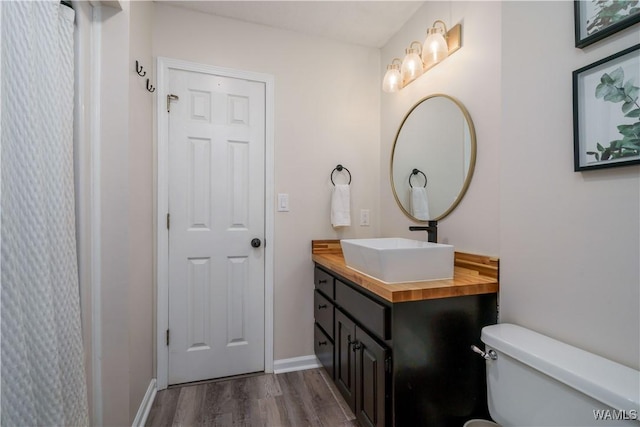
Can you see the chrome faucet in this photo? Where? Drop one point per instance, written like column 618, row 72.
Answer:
column 432, row 231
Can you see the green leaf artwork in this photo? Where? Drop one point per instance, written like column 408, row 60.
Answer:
column 609, row 12
column 613, row 88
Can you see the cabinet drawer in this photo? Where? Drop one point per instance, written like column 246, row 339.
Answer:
column 324, row 349
column 324, row 282
column 371, row 314
column 323, row 313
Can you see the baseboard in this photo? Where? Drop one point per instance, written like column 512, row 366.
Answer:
column 145, row 406
column 295, row 364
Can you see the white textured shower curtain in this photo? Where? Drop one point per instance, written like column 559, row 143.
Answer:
column 42, row 354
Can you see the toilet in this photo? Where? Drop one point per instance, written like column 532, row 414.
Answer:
column 539, row 381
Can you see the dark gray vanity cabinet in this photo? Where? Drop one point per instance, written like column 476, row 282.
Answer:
column 361, row 365
column 402, row 364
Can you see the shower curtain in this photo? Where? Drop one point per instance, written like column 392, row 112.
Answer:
column 42, row 354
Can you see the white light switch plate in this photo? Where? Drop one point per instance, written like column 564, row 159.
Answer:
column 283, row 202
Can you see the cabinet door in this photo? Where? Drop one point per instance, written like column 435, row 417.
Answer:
column 371, row 380
column 324, row 349
column 345, row 374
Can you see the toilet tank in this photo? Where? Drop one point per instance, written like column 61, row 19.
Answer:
column 539, row 381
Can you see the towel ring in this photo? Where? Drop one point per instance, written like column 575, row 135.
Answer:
column 416, row 172
column 339, row 168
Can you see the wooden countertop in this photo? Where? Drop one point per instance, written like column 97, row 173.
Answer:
column 473, row 275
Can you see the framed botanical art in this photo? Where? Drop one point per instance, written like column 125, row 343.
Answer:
column 606, row 112
column 597, row 19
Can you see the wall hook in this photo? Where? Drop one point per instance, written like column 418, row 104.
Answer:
column 150, row 87
column 139, row 70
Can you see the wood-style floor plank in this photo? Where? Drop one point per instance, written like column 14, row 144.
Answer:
column 294, row 399
column 164, row 408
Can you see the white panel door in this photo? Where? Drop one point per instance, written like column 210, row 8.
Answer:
column 216, row 207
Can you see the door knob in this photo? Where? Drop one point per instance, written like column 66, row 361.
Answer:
column 256, row 243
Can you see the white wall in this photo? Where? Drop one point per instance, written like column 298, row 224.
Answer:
column 569, row 242
column 472, row 75
column 114, row 203
column 141, row 295
column 126, row 191
column 326, row 112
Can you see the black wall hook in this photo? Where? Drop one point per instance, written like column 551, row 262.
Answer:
column 150, row 87
column 139, row 70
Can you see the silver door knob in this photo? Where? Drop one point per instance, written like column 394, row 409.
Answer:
column 256, row 243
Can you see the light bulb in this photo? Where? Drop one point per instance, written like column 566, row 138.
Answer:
column 392, row 81
column 435, row 47
column 411, row 66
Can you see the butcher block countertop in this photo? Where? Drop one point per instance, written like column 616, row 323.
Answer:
column 473, row 275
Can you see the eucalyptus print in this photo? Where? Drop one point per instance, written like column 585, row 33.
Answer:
column 613, row 88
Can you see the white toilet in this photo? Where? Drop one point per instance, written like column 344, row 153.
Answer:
column 538, row 381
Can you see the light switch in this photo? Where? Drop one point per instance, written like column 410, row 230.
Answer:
column 283, row 202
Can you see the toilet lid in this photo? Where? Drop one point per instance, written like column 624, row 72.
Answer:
column 480, row 423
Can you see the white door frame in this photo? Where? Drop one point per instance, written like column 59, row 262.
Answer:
column 162, row 206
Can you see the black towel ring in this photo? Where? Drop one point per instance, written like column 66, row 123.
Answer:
column 416, row 172
column 339, row 168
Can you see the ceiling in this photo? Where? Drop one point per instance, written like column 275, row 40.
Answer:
column 365, row 23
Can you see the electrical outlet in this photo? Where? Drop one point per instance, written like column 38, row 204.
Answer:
column 364, row 217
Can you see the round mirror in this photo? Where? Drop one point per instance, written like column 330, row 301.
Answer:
column 433, row 158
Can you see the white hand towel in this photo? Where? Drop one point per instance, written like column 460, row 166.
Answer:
column 419, row 203
column 340, row 202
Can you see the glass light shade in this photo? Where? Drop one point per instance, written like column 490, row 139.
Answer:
column 411, row 66
column 392, row 81
column 435, row 47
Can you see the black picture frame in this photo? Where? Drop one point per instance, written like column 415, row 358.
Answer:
column 598, row 117
column 584, row 39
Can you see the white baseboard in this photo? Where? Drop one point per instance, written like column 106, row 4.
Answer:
column 145, row 406
column 295, row 364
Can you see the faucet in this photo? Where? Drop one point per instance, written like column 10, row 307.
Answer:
column 432, row 231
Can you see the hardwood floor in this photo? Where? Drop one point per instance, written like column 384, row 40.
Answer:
column 293, row 399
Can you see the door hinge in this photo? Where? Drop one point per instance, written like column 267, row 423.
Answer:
column 167, row 337
column 387, row 364
column 168, row 221
column 171, row 97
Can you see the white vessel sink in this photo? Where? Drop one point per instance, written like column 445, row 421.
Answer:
column 397, row 260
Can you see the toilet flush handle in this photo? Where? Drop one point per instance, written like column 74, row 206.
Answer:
column 487, row 355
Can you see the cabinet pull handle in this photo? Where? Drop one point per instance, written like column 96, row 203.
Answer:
column 321, row 343
column 321, row 306
column 321, row 281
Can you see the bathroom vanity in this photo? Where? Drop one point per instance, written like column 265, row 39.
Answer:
column 400, row 353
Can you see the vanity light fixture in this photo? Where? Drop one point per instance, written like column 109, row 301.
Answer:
column 419, row 58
